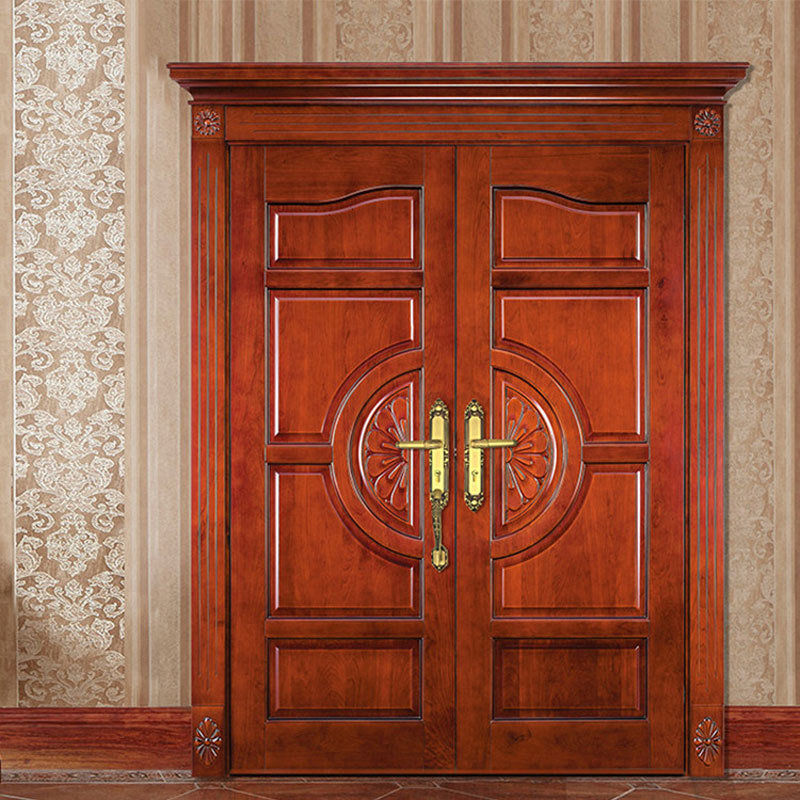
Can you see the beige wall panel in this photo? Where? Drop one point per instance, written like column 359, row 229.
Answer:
column 660, row 30
column 277, row 30
column 563, row 30
column 368, row 31
column 785, row 215
column 482, row 31
column 158, row 292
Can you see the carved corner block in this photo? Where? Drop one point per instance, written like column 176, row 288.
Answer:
column 208, row 122
column 707, row 123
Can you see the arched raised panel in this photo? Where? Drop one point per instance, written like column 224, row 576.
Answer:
column 596, row 340
column 349, row 333
column 535, row 228
column 375, row 229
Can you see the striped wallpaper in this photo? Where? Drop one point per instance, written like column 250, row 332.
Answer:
column 69, row 648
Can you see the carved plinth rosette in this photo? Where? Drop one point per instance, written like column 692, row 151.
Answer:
column 207, row 741
column 707, row 741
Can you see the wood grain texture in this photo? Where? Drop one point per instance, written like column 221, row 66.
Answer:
column 762, row 737
column 607, row 361
column 342, row 518
column 611, row 83
column 705, row 432
column 209, row 425
column 95, row 738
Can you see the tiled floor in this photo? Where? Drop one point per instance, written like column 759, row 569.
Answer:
column 786, row 787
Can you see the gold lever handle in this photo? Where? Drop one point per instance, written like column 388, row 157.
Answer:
column 473, row 453
column 438, row 447
column 419, row 445
column 486, row 444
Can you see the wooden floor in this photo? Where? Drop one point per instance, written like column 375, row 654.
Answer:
column 784, row 786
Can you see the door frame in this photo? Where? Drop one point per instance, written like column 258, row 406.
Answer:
column 460, row 104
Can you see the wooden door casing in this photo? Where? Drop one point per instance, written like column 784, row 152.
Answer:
column 346, row 337
column 236, row 105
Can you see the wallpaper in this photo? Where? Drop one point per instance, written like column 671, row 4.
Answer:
column 100, row 597
column 69, row 349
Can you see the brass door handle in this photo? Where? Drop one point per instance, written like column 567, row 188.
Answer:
column 486, row 444
column 438, row 447
column 473, row 453
column 419, row 445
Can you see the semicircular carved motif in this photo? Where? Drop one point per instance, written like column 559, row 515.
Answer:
column 385, row 470
column 538, row 482
column 376, row 484
column 530, row 464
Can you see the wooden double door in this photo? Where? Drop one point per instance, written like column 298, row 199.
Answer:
column 457, row 458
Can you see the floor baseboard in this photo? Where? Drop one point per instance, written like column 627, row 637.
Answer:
column 758, row 738
column 95, row 738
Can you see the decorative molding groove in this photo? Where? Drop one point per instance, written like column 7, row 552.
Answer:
column 207, row 122
column 209, row 419
column 707, row 122
column 95, row 738
column 707, row 741
column 207, row 741
column 706, row 360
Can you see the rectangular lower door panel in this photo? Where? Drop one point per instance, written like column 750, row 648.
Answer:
column 592, row 678
column 344, row 678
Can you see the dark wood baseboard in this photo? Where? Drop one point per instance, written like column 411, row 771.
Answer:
column 758, row 737
column 95, row 738
column 762, row 737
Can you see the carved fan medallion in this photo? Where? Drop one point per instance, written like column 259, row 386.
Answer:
column 386, row 470
column 529, row 464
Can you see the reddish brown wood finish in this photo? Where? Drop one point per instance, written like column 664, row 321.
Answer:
column 615, row 113
column 358, row 632
column 758, row 737
column 95, row 738
column 209, row 444
column 476, row 83
column 762, row 737
column 563, row 552
column 705, row 368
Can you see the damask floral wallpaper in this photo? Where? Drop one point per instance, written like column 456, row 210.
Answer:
column 99, row 582
column 69, row 349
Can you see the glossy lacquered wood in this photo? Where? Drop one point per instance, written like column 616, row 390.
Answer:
column 562, row 197
column 567, row 556
column 356, row 638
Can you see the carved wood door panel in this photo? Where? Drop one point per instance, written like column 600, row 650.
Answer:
column 342, row 338
column 566, row 632
column 570, row 642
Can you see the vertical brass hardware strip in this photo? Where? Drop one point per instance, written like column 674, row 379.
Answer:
column 475, row 444
column 438, row 447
